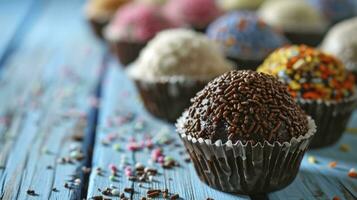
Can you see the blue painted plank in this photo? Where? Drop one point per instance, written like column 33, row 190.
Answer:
column 120, row 99
column 315, row 181
column 319, row 181
column 47, row 85
column 14, row 18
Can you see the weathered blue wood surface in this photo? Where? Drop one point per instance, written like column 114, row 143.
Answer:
column 315, row 181
column 45, row 88
column 118, row 100
column 50, row 68
column 13, row 17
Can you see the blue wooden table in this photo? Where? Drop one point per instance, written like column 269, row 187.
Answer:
column 72, row 125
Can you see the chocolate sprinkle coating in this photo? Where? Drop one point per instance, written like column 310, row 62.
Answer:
column 245, row 106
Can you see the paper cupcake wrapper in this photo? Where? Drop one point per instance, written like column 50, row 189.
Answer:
column 331, row 119
column 247, row 168
column 168, row 99
column 126, row 52
column 97, row 27
column 311, row 39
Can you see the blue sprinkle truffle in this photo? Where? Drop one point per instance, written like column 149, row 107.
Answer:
column 335, row 10
column 243, row 35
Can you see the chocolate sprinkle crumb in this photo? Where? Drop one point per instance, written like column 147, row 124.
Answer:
column 31, row 192
column 245, row 106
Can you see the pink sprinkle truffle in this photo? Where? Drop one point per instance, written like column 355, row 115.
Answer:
column 196, row 13
column 137, row 22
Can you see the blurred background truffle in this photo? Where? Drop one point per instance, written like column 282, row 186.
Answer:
column 133, row 26
column 341, row 41
column 245, row 38
column 174, row 66
column 99, row 13
column 196, row 14
column 300, row 22
column 231, row 5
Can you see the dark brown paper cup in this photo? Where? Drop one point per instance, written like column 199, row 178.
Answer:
column 97, row 27
column 247, row 168
column 331, row 119
column 168, row 99
column 311, row 39
column 126, row 52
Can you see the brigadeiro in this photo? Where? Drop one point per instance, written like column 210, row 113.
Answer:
column 155, row 2
column 341, row 41
column 231, row 5
column 335, row 10
column 196, row 14
column 99, row 13
column 174, row 66
column 245, row 38
column 300, row 22
column 320, row 85
column 245, row 133
column 132, row 27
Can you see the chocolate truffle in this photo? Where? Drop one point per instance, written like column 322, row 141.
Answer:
column 245, row 106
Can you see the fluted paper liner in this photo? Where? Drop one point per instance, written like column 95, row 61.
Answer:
column 331, row 119
column 246, row 168
column 167, row 99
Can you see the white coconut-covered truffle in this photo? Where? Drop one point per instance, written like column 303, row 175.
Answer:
column 341, row 41
column 293, row 16
column 179, row 53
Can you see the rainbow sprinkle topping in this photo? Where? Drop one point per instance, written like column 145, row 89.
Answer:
column 310, row 73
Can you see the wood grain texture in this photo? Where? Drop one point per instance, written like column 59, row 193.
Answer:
column 45, row 89
column 319, row 181
column 15, row 17
column 50, row 67
column 119, row 98
column 315, row 181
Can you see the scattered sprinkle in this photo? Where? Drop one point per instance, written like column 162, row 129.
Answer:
column 128, row 190
column 31, row 192
column 352, row 173
column 345, row 148
column 336, row 198
column 175, row 196
column 116, row 147
column 112, row 178
column 312, row 160
column 77, row 181
column 153, row 193
column 332, row 164
column 115, row 192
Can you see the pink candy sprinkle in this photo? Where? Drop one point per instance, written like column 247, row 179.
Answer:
column 128, row 171
column 133, row 146
column 156, row 153
column 149, row 144
column 112, row 167
column 111, row 136
column 161, row 159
